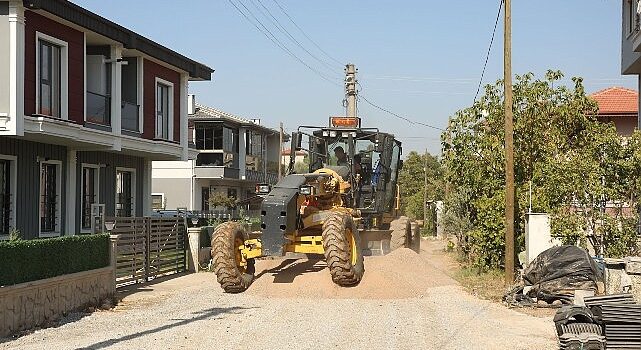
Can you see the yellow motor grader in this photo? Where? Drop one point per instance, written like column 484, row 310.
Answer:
column 345, row 206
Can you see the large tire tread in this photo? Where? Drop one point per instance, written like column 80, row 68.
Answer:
column 401, row 233
column 338, row 253
column 230, row 277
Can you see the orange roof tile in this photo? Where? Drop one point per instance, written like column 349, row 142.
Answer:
column 617, row 100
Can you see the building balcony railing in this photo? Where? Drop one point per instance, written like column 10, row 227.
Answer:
column 98, row 108
column 261, row 177
column 216, row 172
column 129, row 116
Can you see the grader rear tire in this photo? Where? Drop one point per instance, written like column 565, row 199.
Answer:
column 401, row 233
column 226, row 259
column 416, row 237
column 342, row 245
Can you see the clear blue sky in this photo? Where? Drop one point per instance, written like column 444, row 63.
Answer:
column 420, row 59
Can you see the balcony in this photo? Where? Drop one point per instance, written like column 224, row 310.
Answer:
column 216, row 172
column 129, row 116
column 98, row 108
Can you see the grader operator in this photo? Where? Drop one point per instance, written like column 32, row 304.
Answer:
column 345, row 205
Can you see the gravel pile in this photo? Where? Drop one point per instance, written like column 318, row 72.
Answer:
column 400, row 274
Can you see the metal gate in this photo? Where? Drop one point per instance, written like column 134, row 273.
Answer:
column 148, row 248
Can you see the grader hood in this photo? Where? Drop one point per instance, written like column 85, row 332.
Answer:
column 279, row 213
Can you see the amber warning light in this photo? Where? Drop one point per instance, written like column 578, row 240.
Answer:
column 345, row 122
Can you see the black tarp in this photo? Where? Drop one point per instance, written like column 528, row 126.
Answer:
column 558, row 271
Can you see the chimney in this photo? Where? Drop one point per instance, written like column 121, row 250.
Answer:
column 191, row 104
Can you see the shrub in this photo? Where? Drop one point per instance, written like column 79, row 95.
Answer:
column 31, row 260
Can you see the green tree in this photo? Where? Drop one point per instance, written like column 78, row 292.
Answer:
column 219, row 199
column 411, row 180
column 573, row 162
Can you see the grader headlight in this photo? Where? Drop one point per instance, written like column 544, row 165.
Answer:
column 306, row 190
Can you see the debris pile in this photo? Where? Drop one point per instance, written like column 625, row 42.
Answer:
column 609, row 321
column 554, row 275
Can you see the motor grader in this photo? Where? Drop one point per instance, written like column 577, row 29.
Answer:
column 345, row 205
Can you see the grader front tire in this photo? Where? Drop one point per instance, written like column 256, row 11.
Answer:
column 401, row 233
column 233, row 275
column 342, row 245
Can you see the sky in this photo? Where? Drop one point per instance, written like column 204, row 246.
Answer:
column 420, row 59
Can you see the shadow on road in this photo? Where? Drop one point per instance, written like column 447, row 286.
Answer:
column 289, row 269
column 202, row 315
column 125, row 291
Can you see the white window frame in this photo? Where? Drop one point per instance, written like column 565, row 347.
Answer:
column 134, row 188
column 13, row 186
column 170, row 113
column 82, row 190
column 58, row 229
column 64, row 73
column 162, row 196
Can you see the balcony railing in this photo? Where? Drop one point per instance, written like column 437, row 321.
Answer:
column 261, row 177
column 98, row 108
column 129, row 116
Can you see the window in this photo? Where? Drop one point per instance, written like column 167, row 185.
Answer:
column 5, row 197
column 50, row 198
column 125, row 180
column 205, row 198
column 232, row 193
column 49, row 82
column 90, row 187
column 158, row 201
column 219, row 145
column 164, row 107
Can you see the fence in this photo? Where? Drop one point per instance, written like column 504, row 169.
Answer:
column 148, row 247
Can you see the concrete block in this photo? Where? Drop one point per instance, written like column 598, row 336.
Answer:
column 537, row 235
column 633, row 265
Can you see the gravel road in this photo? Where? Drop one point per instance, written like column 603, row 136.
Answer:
column 405, row 301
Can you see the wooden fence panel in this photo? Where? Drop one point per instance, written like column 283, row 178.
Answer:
column 148, row 248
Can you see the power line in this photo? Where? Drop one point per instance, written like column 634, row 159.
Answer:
column 489, row 49
column 275, row 40
column 397, row 115
column 306, row 36
column 283, row 30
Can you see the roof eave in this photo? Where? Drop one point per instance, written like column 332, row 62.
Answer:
column 130, row 39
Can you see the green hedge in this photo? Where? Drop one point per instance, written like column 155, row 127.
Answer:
column 31, row 260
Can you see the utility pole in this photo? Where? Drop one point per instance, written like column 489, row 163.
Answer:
column 280, row 152
column 425, row 206
column 350, row 89
column 509, row 147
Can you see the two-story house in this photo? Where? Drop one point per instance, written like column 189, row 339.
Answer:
column 234, row 154
column 86, row 105
column 619, row 106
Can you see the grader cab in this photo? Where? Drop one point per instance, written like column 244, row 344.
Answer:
column 344, row 206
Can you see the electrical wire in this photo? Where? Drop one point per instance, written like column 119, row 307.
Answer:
column 489, row 49
column 275, row 40
column 283, row 30
column 305, row 34
column 399, row 116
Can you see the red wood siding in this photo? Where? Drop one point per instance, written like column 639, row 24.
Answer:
column 75, row 51
column 152, row 71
